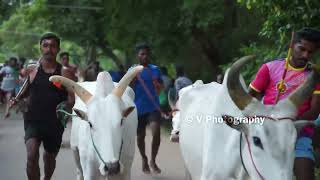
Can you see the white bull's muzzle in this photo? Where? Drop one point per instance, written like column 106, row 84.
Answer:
column 110, row 169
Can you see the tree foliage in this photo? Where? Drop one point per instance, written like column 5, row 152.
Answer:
column 283, row 17
column 280, row 19
column 199, row 35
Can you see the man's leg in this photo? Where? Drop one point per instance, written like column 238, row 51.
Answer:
column 155, row 129
column 304, row 169
column 49, row 160
column 8, row 96
column 51, row 144
column 141, row 134
column 33, row 170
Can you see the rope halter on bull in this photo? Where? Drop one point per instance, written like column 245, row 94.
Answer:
column 86, row 96
column 93, row 143
column 242, row 99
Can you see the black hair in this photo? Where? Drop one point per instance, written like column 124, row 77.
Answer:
column 50, row 35
column 179, row 70
column 22, row 59
column 13, row 59
column 142, row 46
column 64, row 54
column 309, row 34
column 164, row 70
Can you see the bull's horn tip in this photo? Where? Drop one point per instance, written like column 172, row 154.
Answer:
column 139, row 68
column 52, row 78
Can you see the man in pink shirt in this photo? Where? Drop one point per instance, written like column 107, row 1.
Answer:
column 265, row 86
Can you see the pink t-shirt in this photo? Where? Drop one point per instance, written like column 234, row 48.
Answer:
column 269, row 76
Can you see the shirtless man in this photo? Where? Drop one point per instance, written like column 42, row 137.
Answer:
column 64, row 59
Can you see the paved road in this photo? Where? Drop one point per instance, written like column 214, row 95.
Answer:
column 13, row 156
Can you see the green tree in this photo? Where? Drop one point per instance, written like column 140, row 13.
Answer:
column 200, row 36
column 280, row 19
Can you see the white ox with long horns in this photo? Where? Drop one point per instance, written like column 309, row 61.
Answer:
column 103, row 133
column 215, row 150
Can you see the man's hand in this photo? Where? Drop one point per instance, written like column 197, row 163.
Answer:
column 317, row 157
column 12, row 102
column 61, row 110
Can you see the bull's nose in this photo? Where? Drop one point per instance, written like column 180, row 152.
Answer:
column 113, row 168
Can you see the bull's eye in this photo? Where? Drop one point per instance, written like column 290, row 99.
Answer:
column 257, row 142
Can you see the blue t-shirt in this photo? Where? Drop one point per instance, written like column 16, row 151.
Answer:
column 142, row 100
column 116, row 75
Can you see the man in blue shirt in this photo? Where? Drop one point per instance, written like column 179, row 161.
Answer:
column 146, row 87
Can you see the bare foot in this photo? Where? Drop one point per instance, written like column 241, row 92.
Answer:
column 145, row 166
column 155, row 169
column 6, row 115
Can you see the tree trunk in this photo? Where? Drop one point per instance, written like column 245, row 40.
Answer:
column 208, row 47
column 92, row 54
column 107, row 50
column 209, row 40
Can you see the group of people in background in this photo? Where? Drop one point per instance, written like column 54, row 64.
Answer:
column 11, row 81
column 42, row 123
column 151, row 87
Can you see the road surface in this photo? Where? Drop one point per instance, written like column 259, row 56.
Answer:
column 13, row 155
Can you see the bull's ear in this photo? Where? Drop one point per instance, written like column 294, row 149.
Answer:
column 302, row 123
column 127, row 111
column 81, row 114
column 235, row 124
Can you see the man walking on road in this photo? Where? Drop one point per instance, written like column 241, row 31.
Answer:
column 41, row 123
column 148, row 106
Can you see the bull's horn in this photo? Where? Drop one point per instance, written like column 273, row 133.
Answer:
column 126, row 79
column 305, row 90
column 239, row 96
column 71, row 86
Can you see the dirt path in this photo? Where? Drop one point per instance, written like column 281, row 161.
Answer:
column 13, row 156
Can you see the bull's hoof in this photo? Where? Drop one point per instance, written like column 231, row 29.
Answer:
column 65, row 144
column 174, row 138
column 6, row 115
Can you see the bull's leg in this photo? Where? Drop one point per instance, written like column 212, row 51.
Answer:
column 243, row 174
column 187, row 175
column 127, row 176
column 78, row 164
column 176, row 123
column 117, row 177
column 91, row 173
column 90, row 168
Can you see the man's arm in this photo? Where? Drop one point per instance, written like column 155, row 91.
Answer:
column 159, row 80
column 29, row 73
column 314, row 110
column 255, row 94
column 260, row 83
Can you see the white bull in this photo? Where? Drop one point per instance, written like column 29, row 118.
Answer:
column 213, row 150
column 103, row 133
